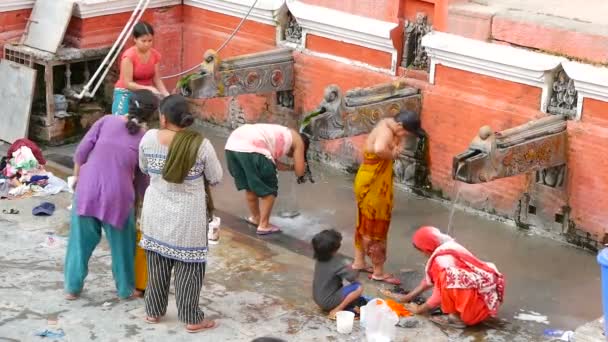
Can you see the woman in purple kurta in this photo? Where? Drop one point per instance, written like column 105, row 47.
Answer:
column 108, row 176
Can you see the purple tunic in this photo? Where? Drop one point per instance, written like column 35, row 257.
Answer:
column 109, row 171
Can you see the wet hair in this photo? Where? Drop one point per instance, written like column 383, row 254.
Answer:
column 410, row 121
column 142, row 28
column 175, row 109
column 142, row 106
column 268, row 339
column 306, row 140
column 326, row 243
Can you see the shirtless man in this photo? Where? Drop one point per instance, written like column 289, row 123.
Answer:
column 374, row 192
column 252, row 153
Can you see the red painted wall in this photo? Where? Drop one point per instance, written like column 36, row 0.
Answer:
column 12, row 24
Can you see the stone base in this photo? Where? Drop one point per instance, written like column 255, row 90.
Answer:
column 591, row 332
column 63, row 130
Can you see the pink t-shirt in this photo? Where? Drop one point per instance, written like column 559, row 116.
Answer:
column 143, row 73
column 273, row 141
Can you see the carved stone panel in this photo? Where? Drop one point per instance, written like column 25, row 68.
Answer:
column 552, row 177
column 293, row 31
column 286, row 99
column 414, row 55
column 564, row 97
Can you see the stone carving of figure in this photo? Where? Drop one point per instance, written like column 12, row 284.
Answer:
column 329, row 124
column 413, row 52
column 293, row 32
column 564, row 97
column 552, row 177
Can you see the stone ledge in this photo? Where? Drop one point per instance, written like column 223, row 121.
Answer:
column 341, row 26
column 499, row 61
column 95, row 8
column 14, row 5
column 265, row 11
column 590, row 82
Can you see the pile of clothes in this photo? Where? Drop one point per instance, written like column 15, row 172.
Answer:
column 23, row 174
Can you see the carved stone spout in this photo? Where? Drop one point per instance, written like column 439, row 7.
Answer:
column 536, row 145
column 357, row 112
column 257, row 73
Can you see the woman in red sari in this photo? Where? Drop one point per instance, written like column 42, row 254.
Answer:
column 467, row 289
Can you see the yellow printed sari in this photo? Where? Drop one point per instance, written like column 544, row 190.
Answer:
column 374, row 196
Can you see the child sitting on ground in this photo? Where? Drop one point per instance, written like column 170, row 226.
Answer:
column 330, row 273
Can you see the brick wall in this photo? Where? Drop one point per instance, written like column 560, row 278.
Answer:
column 12, row 24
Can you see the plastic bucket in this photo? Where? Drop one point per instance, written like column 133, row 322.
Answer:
column 602, row 259
column 344, row 321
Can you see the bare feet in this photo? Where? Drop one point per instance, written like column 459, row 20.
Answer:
column 203, row 325
column 402, row 298
column 137, row 294
column 332, row 315
column 362, row 268
column 387, row 278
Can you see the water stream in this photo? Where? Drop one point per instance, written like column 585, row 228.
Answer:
column 456, row 191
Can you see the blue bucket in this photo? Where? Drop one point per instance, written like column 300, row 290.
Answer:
column 602, row 259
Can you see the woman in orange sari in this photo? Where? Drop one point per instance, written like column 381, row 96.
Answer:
column 467, row 289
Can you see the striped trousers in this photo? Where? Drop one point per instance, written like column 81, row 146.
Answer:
column 188, row 283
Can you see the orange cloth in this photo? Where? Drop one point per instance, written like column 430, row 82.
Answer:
column 141, row 267
column 397, row 308
column 467, row 303
column 374, row 195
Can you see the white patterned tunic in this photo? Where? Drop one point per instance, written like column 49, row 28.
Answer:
column 174, row 216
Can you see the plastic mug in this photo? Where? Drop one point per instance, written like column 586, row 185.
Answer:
column 344, row 321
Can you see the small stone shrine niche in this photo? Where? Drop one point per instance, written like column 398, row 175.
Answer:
column 552, row 177
column 293, row 31
column 414, row 55
column 563, row 97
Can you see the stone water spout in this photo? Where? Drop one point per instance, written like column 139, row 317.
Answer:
column 537, row 145
column 358, row 110
column 256, row 73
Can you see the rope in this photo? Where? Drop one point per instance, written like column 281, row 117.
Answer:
column 238, row 27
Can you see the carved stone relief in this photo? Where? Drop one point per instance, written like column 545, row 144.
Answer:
column 293, row 31
column 564, row 97
column 236, row 115
column 414, row 55
column 286, row 99
column 552, row 177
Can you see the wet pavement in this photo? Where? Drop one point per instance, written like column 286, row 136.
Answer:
column 549, row 284
column 544, row 277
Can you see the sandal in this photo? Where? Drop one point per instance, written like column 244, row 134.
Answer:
column 388, row 278
column 447, row 321
column 203, row 325
column 71, row 296
column 10, row 211
column 249, row 220
column 273, row 230
column 152, row 320
column 366, row 269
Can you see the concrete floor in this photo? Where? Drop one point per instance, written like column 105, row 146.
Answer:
column 544, row 277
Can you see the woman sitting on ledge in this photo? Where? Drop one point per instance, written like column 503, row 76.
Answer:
column 467, row 289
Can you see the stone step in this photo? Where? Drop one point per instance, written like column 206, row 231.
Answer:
column 565, row 28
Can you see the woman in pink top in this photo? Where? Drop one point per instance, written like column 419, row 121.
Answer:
column 252, row 155
column 139, row 69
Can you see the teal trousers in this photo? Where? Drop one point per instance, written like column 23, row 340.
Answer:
column 85, row 234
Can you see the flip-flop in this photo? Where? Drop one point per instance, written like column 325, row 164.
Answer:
column 71, row 296
column 272, row 230
column 389, row 279
column 367, row 269
column 192, row 331
column 152, row 320
column 447, row 321
column 10, row 211
column 249, row 221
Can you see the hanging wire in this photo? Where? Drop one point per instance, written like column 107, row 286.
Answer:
column 223, row 45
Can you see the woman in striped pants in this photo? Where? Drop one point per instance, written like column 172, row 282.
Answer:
column 174, row 219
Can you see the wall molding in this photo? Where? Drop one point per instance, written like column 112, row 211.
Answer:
column 265, row 11
column 495, row 60
column 95, row 8
column 15, row 5
column 341, row 26
column 590, row 82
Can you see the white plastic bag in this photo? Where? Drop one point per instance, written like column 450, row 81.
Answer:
column 213, row 236
column 379, row 321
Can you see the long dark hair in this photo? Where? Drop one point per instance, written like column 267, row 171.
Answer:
column 142, row 28
column 175, row 109
column 142, row 106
